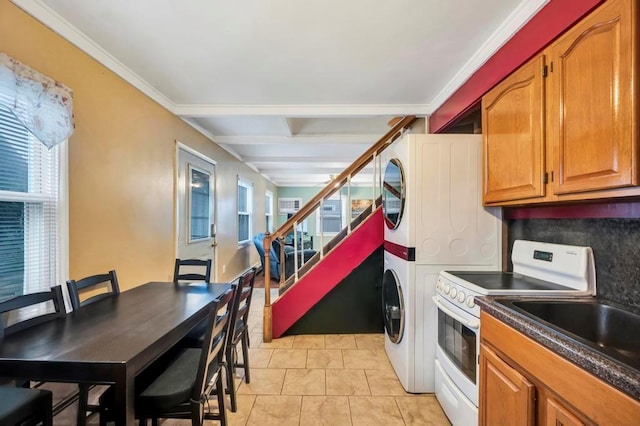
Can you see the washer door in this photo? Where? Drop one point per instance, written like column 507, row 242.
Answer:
column 392, row 306
column 393, row 193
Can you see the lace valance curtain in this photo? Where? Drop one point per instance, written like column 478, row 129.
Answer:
column 44, row 106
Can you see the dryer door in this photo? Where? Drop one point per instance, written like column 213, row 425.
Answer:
column 393, row 193
column 392, row 306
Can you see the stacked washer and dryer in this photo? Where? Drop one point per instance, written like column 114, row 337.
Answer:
column 434, row 220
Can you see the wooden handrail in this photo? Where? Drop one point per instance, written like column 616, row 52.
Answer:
column 312, row 204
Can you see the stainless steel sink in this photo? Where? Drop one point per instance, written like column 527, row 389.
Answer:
column 607, row 328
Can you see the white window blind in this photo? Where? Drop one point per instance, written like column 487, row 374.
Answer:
column 245, row 200
column 268, row 211
column 331, row 218
column 29, row 210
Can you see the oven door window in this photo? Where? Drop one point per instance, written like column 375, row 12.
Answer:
column 459, row 343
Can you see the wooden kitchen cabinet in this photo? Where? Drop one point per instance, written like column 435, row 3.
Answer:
column 513, row 142
column 525, row 383
column 564, row 126
column 507, row 397
column 558, row 415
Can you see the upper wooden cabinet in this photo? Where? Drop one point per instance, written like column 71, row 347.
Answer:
column 513, row 136
column 579, row 138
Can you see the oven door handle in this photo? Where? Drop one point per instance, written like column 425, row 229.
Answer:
column 471, row 324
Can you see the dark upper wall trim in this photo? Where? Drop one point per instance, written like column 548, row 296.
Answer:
column 556, row 17
column 628, row 210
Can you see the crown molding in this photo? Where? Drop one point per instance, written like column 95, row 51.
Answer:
column 58, row 24
column 516, row 20
column 300, row 111
column 65, row 29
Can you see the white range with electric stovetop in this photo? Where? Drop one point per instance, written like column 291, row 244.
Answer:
column 539, row 269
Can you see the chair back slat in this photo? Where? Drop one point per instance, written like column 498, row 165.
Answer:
column 93, row 281
column 19, row 303
column 191, row 275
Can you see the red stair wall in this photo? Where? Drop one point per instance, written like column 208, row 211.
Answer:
column 327, row 274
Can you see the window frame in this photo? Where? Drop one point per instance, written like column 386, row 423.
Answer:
column 268, row 212
column 245, row 183
column 61, row 221
column 189, row 206
column 343, row 217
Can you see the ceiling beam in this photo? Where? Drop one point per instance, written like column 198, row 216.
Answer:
column 364, row 139
column 335, row 158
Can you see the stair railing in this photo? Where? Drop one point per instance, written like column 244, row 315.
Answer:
column 371, row 158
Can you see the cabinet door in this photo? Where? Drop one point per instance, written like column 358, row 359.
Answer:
column 557, row 415
column 591, row 107
column 513, row 136
column 506, row 396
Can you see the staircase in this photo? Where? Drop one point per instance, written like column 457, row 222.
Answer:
column 312, row 280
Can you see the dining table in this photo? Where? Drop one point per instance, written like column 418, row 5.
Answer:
column 110, row 341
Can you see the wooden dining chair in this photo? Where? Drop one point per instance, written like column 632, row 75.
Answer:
column 205, row 265
column 49, row 302
column 21, row 406
column 194, row 337
column 179, row 388
column 239, row 334
column 93, row 282
column 109, row 283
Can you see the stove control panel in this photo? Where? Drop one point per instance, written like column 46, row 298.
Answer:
column 457, row 295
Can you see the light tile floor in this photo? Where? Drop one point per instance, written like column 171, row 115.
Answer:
column 319, row 380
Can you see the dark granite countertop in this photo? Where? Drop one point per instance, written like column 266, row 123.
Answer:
column 611, row 371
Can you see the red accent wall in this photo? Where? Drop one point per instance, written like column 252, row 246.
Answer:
column 327, row 274
column 555, row 18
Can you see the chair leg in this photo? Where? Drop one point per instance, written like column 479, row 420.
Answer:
column 47, row 411
column 231, row 385
column 83, row 402
column 222, row 412
column 245, row 355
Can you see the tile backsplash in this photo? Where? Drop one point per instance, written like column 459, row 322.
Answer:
column 615, row 244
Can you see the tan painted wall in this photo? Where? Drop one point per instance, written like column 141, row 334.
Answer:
column 122, row 165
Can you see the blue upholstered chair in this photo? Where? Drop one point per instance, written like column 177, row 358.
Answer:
column 274, row 258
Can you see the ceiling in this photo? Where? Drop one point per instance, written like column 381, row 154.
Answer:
column 294, row 88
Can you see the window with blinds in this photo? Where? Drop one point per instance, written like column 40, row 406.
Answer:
column 29, row 210
column 331, row 218
column 245, row 199
column 268, row 211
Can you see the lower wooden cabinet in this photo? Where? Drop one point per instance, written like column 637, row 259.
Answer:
column 524, row 383
column 558, row 415
column 506, row 395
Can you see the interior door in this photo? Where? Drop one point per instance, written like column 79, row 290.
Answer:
column 196, row 208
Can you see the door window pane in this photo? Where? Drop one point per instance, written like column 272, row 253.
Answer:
column 200, row 205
